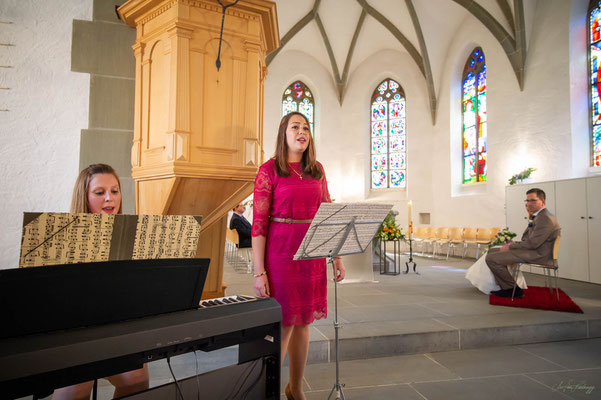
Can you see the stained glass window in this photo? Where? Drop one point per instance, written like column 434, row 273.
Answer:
column 298, row 97
column 473, row 102
column 388, row 136
column 595, row 79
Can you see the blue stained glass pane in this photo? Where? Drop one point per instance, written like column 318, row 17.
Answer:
column 378, row 145
column 383, row 86
column 378, row 162
column 596, row 104
column 393, row 85
column 378, row 179
column 482, row 79
column 379, row 128
column 469, row 86
column 397, row 144
column 597, row 145
column 595, row 60
column 397, row 178
column 397, row 127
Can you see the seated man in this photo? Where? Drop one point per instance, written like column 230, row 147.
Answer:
column 536, row 245
column 242, row 226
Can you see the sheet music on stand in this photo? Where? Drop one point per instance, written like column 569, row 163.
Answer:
column 358, row 222
column 63, row 238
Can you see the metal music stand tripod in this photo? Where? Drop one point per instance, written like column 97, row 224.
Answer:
column 341, row 229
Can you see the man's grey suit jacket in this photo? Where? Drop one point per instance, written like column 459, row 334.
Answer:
column 537, row 241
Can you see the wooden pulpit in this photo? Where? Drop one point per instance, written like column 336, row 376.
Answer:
column 198, row 131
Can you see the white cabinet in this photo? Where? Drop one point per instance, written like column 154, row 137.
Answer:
column 572, row 216
column 577, row 205
column 593, row 197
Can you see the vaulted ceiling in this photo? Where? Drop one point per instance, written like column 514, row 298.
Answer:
column 341, row 34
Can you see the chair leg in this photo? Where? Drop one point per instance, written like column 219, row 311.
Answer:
column 515, row 273
column 478, row 251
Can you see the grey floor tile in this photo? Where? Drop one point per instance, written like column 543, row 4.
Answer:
column 570, row 354
column 385, row 392
column 386, row 312
column 377, row 371
column 385, row 328
column 495, row 388
column 492, row 361
column 581, row 384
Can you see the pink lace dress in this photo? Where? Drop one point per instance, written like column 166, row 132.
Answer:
column 299, row 286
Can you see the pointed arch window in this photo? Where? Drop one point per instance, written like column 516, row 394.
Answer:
column 298, row 97
column 473, row 102
column 388, row 136
column 594, row 41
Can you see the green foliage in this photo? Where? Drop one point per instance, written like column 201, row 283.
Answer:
column 521, row 175
column 389, row 229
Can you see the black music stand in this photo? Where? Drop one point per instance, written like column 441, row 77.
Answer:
column 341, row 229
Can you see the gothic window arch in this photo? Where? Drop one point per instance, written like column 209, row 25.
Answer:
column 473, row 105
column 298, row 97
column 388, row 136
column 594, row 41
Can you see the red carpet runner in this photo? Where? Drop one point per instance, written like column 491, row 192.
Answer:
column 539, row 298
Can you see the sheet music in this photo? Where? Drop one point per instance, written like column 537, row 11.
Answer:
column 59, row 238
column 330, row 224
column 166, row 236
column 62, row 238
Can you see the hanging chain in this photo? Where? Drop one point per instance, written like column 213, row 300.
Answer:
column 218, row 62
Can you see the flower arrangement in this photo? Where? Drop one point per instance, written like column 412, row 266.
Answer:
column 521, row 175
column 502, row 238
column 389, row 229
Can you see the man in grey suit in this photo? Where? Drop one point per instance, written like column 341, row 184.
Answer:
column 536, row 245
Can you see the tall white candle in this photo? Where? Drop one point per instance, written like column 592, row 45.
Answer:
column 410, row 206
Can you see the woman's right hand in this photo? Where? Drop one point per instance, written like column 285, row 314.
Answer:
column 261, row 285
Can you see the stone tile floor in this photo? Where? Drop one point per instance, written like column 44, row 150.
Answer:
column 557, row 370
column 434, row 336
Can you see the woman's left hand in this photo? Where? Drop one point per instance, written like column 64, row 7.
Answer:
column 339, row 270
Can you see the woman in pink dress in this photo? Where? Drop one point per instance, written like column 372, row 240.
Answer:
column 288, row 191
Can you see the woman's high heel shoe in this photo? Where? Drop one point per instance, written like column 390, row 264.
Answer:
column 288, row 393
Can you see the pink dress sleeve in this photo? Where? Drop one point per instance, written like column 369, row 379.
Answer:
column 262, row 202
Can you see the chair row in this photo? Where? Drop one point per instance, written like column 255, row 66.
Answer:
column 240, row 259
column 453, row 237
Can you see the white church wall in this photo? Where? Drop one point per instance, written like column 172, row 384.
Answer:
column 579, row 112
column 529, row 128
column 343, row 132
column 48, row 107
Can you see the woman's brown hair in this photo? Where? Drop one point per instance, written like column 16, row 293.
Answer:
column 308, row 164
column 79, row 201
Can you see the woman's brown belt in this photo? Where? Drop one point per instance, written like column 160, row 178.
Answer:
column 290, row 220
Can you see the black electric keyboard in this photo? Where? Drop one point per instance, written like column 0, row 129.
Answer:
column 36, row 364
